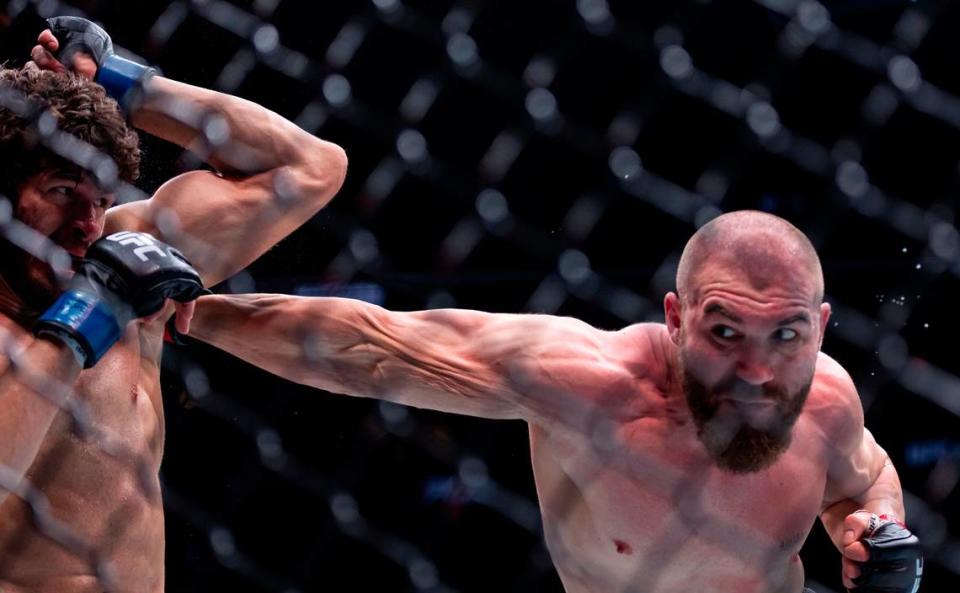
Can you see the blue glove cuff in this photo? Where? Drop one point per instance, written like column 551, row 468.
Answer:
column 123, row 79
column 84, row 318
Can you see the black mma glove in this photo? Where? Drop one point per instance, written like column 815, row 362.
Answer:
column 123, row 79
column 896, row 562
column 123, row 276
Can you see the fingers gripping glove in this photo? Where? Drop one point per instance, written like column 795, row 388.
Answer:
column 896, row 562
column 123, row 79
column 124, row 276
column 171, row 335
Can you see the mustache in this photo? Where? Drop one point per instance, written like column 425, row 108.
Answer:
column 733, row 386
column 733, row 445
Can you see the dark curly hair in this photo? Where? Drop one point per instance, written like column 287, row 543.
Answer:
column 79, row 106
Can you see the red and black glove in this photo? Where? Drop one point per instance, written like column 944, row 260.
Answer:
column 895, row 564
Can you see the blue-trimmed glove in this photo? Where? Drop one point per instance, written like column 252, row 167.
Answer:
column 123, row 79
column 124, row 276
column 896, row 562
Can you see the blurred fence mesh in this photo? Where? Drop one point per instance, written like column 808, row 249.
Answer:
column 549, row 156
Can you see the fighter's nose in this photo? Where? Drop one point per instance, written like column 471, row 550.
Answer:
column 754, row 372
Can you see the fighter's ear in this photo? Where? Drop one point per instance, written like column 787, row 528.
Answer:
column 825, row 311
column 672, row 313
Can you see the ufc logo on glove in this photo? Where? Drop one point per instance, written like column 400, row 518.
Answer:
column 144, row 242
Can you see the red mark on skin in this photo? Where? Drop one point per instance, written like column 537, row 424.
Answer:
column 134, row 392
column 622, row 547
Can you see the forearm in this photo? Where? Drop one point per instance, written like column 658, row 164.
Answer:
column 35, row 380
column 313, row 341
column 883, row 497
column 252, row 140
column 355, row 348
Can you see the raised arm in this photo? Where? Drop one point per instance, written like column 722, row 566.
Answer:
column 272, row 176
column 540, row 368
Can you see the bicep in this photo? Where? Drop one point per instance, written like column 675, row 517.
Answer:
column 856, row 460
column 535, row 367
column 221, row 224
column 852, row 474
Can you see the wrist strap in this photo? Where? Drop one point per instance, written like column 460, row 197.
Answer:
column 877, row 520
column 83, row 319
column 79, row 353
column 123, row 80
column 891, row 519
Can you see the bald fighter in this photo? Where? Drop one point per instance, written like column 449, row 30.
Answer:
column 688, row 456
column 97, row 341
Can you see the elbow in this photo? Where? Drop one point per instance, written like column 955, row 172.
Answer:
column 335, row 163
column 323, row 172
column 308, row 183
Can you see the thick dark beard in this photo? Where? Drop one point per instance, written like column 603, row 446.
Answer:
column 736, row 446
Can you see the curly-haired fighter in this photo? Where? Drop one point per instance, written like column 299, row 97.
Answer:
column 97, row 340
column 688, row 456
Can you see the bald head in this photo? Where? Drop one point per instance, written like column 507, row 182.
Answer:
column 765, row 249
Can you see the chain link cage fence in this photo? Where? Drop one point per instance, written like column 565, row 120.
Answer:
column 547, row 156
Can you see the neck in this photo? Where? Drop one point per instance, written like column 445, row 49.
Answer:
column 676, row 399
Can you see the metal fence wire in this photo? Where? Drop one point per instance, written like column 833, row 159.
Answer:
column 548, row 156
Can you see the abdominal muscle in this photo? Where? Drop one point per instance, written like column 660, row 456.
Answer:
column 111, row 517
column 115, row 542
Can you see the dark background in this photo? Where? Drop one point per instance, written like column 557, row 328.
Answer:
column 564, row 168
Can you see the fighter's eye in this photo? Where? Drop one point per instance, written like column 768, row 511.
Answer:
column 60, row 193
column 724, row 332
column 786, row 334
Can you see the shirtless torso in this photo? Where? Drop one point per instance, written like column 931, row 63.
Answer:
column 630, row 498
column 104, row 489
column 643, row 509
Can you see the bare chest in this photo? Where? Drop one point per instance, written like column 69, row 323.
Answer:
column 118, row 413
column 644, row 506
column 97, row 470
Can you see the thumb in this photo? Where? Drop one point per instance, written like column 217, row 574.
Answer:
column 48, row 40
column 84, row 65
column 854, row 526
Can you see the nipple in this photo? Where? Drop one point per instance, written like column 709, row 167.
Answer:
column 622, row 547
